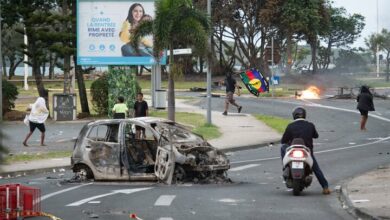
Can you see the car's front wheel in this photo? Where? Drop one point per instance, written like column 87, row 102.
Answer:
column 83, row 172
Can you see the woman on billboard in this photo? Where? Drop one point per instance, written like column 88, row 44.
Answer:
column 135, row 16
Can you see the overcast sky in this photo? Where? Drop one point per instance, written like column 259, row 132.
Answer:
column 368, row 8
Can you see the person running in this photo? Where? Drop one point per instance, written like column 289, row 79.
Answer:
column 120, row 109
column 37, row 118
column 300, row 128
column 365, row 104
column 231, row 85
column 140, row 110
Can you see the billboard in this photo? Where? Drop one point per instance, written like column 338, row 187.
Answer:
column 104, row 28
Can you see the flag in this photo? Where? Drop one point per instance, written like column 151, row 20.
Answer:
column 254, row 81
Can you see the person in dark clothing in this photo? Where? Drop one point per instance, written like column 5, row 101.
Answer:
column 300, row 128
column 231, row 85
column 140, row 110
column 365, row 104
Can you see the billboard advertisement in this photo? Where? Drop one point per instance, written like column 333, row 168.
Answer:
column 104, row 30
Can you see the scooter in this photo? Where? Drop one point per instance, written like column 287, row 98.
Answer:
column 297, row 166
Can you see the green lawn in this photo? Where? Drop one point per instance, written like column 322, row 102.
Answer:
column 277, row 123
column 196, row 121
column 37, row 156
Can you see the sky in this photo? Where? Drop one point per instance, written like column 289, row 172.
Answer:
column 368, row 8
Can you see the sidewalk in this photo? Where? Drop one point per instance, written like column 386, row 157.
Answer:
column 368, row 196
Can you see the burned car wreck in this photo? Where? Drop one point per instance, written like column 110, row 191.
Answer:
column 167, row 151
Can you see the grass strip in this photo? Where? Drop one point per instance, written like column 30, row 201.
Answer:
column 37, row 156
column 196, row 121
column 277, row 123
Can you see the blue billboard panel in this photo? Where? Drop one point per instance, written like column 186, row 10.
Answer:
column 104, row 32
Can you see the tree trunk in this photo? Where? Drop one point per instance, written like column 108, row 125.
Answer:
column 313, row 45
column 171, row 87
column 43, row 69
column 82, row 90
column 52, row 63
column 387, row 66
column 36, row 69
column 289, row 53
column 12, row 68
column 4, row 66
column 79, row 71
column 11, row 65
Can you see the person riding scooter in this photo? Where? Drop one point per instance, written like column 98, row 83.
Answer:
column 300, row 128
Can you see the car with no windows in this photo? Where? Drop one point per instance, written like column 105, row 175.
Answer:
column 166, row 151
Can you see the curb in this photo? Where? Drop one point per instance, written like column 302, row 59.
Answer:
column 13, row 174
column 249, row 147
column 350, row 208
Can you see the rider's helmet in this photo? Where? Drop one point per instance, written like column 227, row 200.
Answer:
column 299, row 112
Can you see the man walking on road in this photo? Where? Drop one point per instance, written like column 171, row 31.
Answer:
column 231, row 85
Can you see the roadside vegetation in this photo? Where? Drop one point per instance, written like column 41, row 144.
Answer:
column 195, row 121
column 276, row 123
column 36, row 156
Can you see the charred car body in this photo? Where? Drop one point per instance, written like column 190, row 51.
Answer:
column 109, row 150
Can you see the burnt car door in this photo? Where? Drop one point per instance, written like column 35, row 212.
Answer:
column 165, row 157
column 139, row 151
column 103, row 149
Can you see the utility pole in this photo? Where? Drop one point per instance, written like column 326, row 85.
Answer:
column 1, row 71
column 209, row 69
column 377, row 45
column 25, row 60
column 272, row 66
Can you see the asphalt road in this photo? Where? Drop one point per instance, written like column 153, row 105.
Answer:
column 257, row 191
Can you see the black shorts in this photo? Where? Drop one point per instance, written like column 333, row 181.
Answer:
column 41, row 127
column 363, row 112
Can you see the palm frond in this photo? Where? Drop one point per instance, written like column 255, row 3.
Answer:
column 143, row 29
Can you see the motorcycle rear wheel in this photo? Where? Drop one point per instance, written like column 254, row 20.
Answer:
column 297, row 188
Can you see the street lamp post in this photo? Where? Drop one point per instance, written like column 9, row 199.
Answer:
column 209, row 70
column 1, row 71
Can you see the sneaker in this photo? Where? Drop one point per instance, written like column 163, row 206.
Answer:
column 239, row 109
column 326, row 191
column 224, row 113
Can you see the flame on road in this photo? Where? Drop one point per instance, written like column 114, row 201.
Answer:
column 311, row 93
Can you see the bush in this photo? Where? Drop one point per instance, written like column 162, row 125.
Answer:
column 10, row 93
column 99, row 93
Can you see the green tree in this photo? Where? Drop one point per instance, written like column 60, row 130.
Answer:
column 306, row 17
column 177, row 23
column 11, row 48
column 344, row 29
column 372, row 42
column 384, row 45
column 34, row 17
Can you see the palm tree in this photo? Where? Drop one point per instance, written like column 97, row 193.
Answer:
column 177, row 24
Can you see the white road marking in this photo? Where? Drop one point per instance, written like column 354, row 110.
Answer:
column 63, row 191
column 312, row 104
column 244, row 167
column 164, row 200
column 360, row 200
column 165, row 218
column 318, row 152
column 94, row 202
column 125, row 191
